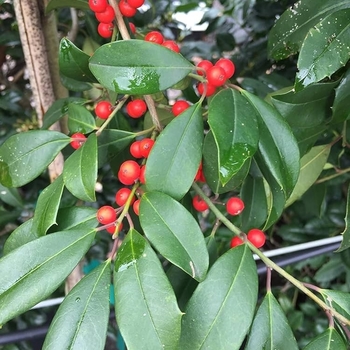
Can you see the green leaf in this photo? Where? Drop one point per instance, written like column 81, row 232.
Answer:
column 211, row 168
column 233, row 122
column 81, row 320
column 345, row 244
column 74, row 63
column 340, row 301
column 146, row 308
column 270, row 329
column 76, row 217
column 340, row 107
column 58, row 109
column 175, row 157
column 11, row 196
column 119, row 67
column 278, row 148
column 287, row 35
column 56, row 4
column 73, row 84
column 311, row 166
column 80, row 119
column 174, row 232
column 325, row 49
column 41, row 266
column 47, row 207
column 32, row 151
column 328, row 340
column 80, row 170
column 221, row 309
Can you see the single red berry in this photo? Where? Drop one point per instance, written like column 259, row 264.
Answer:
column 105, row 30
column 208, row 89
column 199, row 204
column 125, row 9
column 106, row 215
column 235, row 241
column 132, row 27
column 136, row 108
column 136, row 207
column 135, row 3
column 142, row 174
column 227, row 65
column 77, row 140
column 205, row 65
column 122, row 196
column 135, row 149
column 234, row 206
column 146, row 145
column 111, row 229
column 107, row 16
column 171, row 45
column 129, row 172
column 256, row 237
column 155, row 37
column 98, row 5
column 200, row 175
column 216, row 76
column 179, row 106
column 103, row 109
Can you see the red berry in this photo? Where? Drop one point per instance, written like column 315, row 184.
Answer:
column 199, row 204
column 235, row 241
column 136, row 207
column 129, row 172
column 234, row 206
column 105, row 30
column 155, row 37
column 205, row 65
column 227, row 65
column 106, row 215
column 171, row 45
column 256, row 237
column 200, row 175
column 98, row 5
column 111, row 229
column 103, row 109
column 77, row 140
column 107, row 16
column 146, row 145
column 136, row 108
column 135, row 149
column 142, row 174
column 179, row 106
column 125, row 9
column 216, row 76
column 132, row 27
column 135, row 3
column 122, row 196
column 210, row 89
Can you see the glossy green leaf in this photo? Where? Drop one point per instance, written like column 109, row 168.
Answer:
column 56, row 4
column 174, row 232
column 73, row 84
column 221, row 309
column 47, row 207
column 32, row 151
column 118, row 66
column 20, row 236
column 59, row 109
column 80, row 170
column 325, row 49
column 146, row 307
column 234, row 125
column 311, row 166
column 175, row 157
column 270, row 329
column 76, row 217
column 289, row 32
column 211, row 168
column 340, row 301
column 74, row 63
column 278, row 148
column 345, row 244
column 41, row 266
column 10, row 196
column 80, row 119
column 340, row 107
column 81, row 320
column 328, row 340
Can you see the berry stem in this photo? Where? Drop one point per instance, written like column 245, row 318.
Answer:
column 269, row 263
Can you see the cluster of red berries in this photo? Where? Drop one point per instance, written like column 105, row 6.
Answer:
column 128, row 8
column 107, row 215
column 216, row 74
column 254, row 236
column 158, row 38
column 105, row 15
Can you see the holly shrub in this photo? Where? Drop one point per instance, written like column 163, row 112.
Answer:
column 180, row 261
